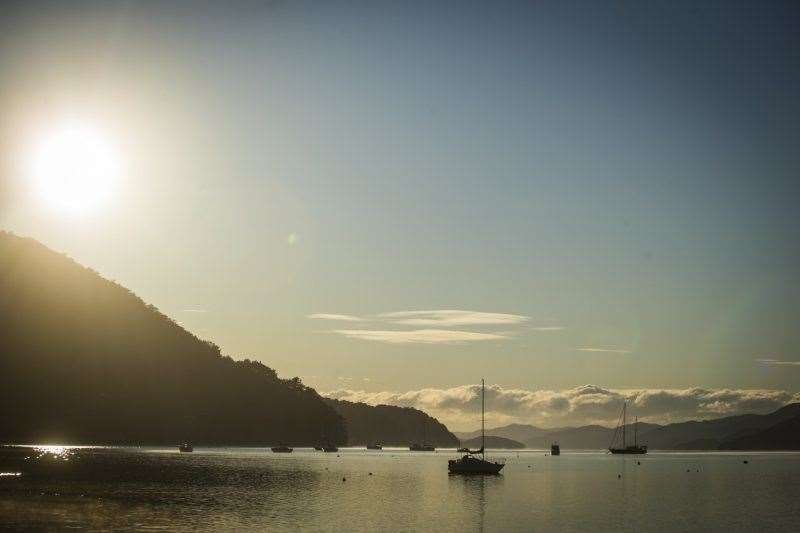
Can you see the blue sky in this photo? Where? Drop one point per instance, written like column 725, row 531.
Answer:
column 620, row 177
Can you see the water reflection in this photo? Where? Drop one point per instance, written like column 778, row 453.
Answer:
column 472, row 491
column 54, row 452
column 234, row 489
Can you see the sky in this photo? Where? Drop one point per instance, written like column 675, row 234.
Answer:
column 579, row 202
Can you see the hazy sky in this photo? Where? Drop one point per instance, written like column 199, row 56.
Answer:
column 594, row 193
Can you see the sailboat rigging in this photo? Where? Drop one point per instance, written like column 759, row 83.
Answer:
column 621, row 425
column 473, row 465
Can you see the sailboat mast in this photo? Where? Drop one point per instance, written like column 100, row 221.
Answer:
column 636, row 432
column 624, row 407
column 483, row 417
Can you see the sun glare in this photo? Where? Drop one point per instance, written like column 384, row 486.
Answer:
column 75, row 169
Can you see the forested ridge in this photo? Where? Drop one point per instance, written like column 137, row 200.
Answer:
column 391, row 425
column 84, row 360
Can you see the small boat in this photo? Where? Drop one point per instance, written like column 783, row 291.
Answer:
column 330, row 448
column 473, row 465
column 462, row 450
column 555, row 449
column 424, row 447
column 634, row 449
column 185, row 448
column 318, row 448
column 374, row 446
column 282, row 449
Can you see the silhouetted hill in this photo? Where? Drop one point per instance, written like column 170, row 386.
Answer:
column 591, row 437
column 773, row 431
column 710, row 434
column 519, row 432
column 498, row 443
column 782, row 436
column 84, row 360
column 391, row 425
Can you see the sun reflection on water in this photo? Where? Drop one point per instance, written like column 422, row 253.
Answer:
column 54, row 451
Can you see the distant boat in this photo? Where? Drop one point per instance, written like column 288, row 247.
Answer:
column 282, row 449
column 634, row 449
column 375, row 446
column 318, row 448
column 330, row 448
column 555, row 449
column 462, row 450
column 185, row 448
column 473, row 465
column 424, row 447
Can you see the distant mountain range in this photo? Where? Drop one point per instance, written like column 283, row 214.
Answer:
column 774, row 431
column 84, row 360
column 497, row 443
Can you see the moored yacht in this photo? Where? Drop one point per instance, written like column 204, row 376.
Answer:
column 424, row 447
column 185, row 448
column 469, row 464
column 634, row 449
column 282, row 449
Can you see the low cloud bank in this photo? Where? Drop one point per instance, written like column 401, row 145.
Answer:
column 459, row 407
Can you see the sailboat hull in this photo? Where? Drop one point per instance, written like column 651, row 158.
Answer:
column 630, row 450
column 472, row 466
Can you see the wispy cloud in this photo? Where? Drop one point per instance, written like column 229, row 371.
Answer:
column 332, row 316
column 418, row 336
column 605, row 350
column 777, row 362
column 451, row 317
column 459, row 407
column 194, row 311
column 548, row 328
column 432, row 327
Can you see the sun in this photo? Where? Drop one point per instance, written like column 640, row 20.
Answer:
column 75, row 169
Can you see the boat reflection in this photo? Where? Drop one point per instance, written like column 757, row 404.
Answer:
column 475, row 492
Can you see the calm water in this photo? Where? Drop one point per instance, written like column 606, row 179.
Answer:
column 253, row 489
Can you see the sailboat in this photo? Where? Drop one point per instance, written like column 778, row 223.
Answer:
column 473, row 465
column 625, row 448
column 424, row 447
